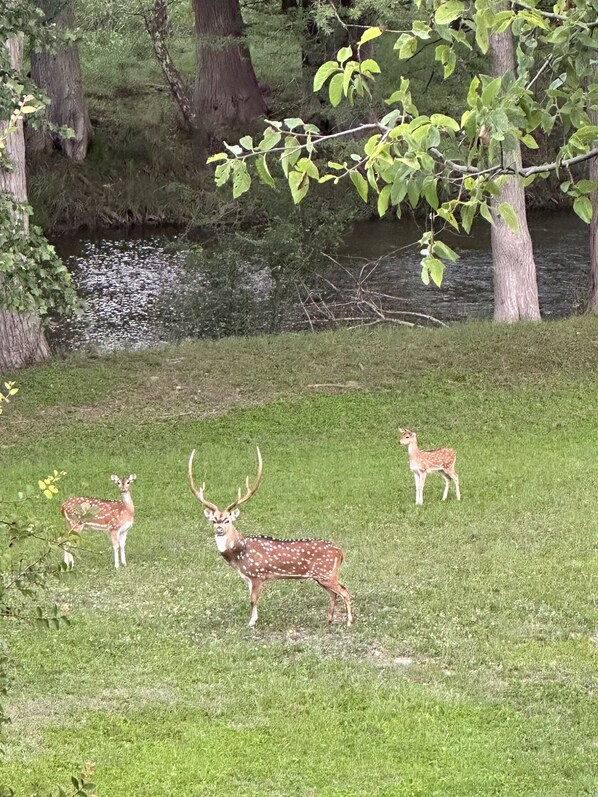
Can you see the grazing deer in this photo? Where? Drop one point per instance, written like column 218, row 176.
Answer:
column 441, row 460
column 115, row 517
column 261, row 559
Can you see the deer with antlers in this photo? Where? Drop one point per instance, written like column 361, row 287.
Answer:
column 440, row 460
column 261, row 559
column 115, row 517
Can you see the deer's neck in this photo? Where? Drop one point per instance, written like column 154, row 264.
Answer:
column 128, row 503
column 412, row 449
column 230, row 545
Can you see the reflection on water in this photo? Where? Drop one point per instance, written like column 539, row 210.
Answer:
column 131, row 288
column 136, row 286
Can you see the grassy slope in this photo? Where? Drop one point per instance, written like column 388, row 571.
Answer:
column 159, row 681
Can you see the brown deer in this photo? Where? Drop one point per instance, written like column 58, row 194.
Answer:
column 441, row 460
column 261, row 559
column 115, row 517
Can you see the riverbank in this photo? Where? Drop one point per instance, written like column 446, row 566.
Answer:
column 471, row 667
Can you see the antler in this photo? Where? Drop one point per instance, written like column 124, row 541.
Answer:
column 199, row 493
column 249, row 491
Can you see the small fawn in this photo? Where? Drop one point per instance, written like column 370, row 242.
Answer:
column 261, row 559
column 115, row 517
column 441, row 460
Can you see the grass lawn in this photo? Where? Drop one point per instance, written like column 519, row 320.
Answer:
column 472, row 667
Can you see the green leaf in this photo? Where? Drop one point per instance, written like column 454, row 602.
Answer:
column 431, row 192
column 467, row 216
column 408, row 46
column 509, row 216
column 219, row 156
column 449, row 216
column 369, row 65
column 360, row 184
column 246, row 142
column 335, row 89
column 490, row 92
column 343, row 54
column 299, row 185
column 472, row 92
column 261, row 167
column 383, row 200
column 448, row 12
column 436, row 270
column 368, row 35
column 421, row 30
column 586, row 186
column 529, row 141
column 270, row 140
column 583, row 207
column 292, row 122
column 442, row 250
column 328, row 68
column 241, row 179
column 309, row 167
column 445, row 121
column 482, row 34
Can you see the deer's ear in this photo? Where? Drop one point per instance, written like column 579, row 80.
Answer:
column 235, row 514
column 208, row 513
column 114, row 479
column 132, row 477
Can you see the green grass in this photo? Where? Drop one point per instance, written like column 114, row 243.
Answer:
column 471, row 667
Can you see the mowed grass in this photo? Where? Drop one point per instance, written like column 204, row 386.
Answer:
column 472, row 667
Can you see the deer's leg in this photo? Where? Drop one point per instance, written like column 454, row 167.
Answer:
column 447, row 484
column 255, row 589
column 332, row 596
column 68, row 557
column 122, row 541
column 416, row 477
column 337, row 588
column 422, row 482
column 452, row 475
column 115, row 547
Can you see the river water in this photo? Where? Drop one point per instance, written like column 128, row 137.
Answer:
column 136, row 285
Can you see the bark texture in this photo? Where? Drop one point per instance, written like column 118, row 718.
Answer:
column 157, row 27
column 22, row 340
column 515, row 285
column 227, row 95
column 593, row 175
column 58, row 75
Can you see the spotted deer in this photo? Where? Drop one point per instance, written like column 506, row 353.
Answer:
column 261, row 559
column 115, row 517
column 441, row 460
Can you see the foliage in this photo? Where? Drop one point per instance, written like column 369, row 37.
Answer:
column 33, row 279
column 454, row 167
column 244, row 277
column 471, row 667
column 25, row 567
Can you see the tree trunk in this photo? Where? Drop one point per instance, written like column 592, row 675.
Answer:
column 58, row 75
column 158, row 29
column 593, row 175
column 515, row 286
column 227, row 96
column 22, row 340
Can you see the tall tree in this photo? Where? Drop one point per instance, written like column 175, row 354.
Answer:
column 227, row 95
column 22, row 340
column 515, row 284
column 455, row 168
column 58, row 75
